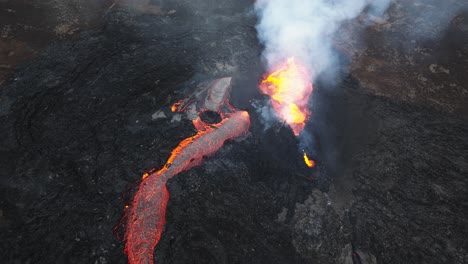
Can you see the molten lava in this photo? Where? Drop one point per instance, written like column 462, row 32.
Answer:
column 310, row 163
column 146, row 216
column 290, row 88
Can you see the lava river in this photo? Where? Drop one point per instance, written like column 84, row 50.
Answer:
column 145, row 217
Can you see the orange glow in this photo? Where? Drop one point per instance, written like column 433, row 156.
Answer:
column 174, row 106
column 145, row 217
column 310, row 163
column 290, row 88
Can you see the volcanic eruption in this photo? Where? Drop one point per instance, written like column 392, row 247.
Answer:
column 298, row 39
column 145, row 217
column 289, row 88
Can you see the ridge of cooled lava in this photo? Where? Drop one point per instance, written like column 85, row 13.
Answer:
column 145, row 217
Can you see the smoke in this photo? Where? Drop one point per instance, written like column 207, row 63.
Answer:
column 265, row 110
column 304, row 29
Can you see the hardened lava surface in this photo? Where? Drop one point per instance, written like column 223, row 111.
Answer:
column 90, row 113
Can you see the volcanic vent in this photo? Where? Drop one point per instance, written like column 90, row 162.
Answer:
column 78, row 128
column 290, row 88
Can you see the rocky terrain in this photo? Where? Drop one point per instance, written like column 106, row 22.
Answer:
column 85, row 96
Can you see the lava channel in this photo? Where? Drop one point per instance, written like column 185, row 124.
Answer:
column 145, row 217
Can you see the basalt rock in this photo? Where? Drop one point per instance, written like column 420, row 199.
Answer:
column 88, row 116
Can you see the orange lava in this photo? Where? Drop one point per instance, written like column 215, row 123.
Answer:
column 310, row 163
column 290, row 88
column 145, row 217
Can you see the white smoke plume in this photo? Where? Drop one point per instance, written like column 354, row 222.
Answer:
column 306, row 30
column 303, row 29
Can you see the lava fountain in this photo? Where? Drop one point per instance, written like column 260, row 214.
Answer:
column 145, row 218
column 289, row 87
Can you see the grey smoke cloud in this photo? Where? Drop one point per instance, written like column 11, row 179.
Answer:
column 304, row 28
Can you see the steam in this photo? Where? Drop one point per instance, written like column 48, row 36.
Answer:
column 304, row 29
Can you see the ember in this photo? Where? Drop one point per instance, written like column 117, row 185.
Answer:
column 145, row 218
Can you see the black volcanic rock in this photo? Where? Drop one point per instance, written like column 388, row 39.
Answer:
column 85, row 119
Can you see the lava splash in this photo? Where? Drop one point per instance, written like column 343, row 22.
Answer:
column 290, row 88
column 145, row 218
column 309, row 162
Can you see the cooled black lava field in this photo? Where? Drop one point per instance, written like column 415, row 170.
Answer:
column 87, row 110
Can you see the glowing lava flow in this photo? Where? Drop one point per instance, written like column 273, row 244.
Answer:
column 146, row 216
column 289, row 88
